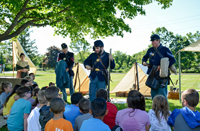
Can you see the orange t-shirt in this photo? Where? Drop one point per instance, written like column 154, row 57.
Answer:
column 58, row 125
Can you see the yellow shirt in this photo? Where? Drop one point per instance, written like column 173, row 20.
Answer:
column 6, row 109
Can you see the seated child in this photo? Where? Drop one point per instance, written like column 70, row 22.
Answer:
column 84, row 106
column 33, row 77
column 30, row 79
column 72, row 111
column 51, row 84
column 98, row 110
column 17, row 121
column 109, row 119
column 45, row 114
column 5, row 89
column 24, row 82
column 159, row 114
column 35, row 97
column 58, row 123
column 10, row 101
column 35, row 86
column 186, row 118
column 134, row 118
column 33, row 119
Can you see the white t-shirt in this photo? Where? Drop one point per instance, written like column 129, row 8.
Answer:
column 33, row 120
column 155, row 124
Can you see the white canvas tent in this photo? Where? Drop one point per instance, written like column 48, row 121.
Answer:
column 17, row 50
column 127, row 83
column 194, row 47
column 81, row 75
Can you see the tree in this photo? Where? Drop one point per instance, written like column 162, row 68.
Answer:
column 71, row 17
column 119, row 58
column 29, row 46
column 82, row 48
column 51, row 57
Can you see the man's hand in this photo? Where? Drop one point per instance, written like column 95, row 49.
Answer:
column 158, row 69
column 110, row 57
column 145, row 64
column 88, row 67
column 67, row 69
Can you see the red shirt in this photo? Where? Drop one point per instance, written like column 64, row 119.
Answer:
column 109, row 119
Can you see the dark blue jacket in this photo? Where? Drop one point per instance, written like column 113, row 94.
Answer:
column 155, row 59
column 69, row 58
column 91, row 61
column 62, row 76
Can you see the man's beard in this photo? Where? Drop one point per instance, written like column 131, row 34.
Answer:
column 99, row 52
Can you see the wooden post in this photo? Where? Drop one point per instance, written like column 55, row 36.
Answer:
column 137, row 76
column 13, row 57
column 179, row 62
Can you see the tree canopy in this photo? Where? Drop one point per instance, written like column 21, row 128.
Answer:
column 74, row 18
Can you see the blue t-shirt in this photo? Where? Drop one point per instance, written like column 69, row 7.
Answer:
column 15, row 121
column 71, row 112
column 94, row 124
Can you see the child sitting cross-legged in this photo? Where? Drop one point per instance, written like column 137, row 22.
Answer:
column 17, row 121
column 5, row 89
column 186, row 118
column 58, row 123
column 98, row 110
column 159, row 114
column 134, row 118
column 84, row 106
column 33, row 119
column 45, row 114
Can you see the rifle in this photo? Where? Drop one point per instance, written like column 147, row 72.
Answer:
column 108, row 90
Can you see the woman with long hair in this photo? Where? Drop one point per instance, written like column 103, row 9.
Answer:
column 159, row 114
column 134, row 118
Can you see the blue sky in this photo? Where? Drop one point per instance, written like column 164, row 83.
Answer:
column 181, row 18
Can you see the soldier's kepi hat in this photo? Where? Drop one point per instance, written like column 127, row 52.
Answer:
column 63, row 45
column 155, row 37
column 98, row 43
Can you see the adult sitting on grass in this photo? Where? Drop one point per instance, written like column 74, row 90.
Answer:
column 98, row 110
column 134, row 118
column 84, row 106
column 186, row 118
column 109, row 119
column 57, row 123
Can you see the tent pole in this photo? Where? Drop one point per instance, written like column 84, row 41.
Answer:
column 137, row 76
column 13, row 58
column 179, row 61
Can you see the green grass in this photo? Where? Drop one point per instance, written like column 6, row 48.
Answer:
column 187, row 81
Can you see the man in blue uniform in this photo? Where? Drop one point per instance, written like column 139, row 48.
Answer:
column 69, row 58
column 98, row 63
column 154, row 59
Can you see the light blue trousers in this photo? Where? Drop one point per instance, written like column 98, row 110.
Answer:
column 94, row 86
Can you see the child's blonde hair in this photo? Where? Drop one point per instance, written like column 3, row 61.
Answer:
column 160, row 105
column 41, row 97
column 4, row 85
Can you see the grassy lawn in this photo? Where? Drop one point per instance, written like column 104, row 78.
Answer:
column 187, row 81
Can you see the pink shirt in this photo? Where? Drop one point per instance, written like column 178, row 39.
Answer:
column 132, row 121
